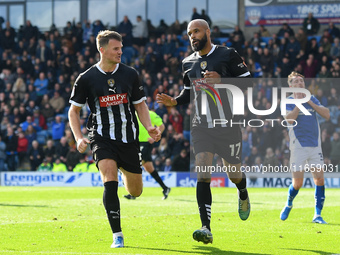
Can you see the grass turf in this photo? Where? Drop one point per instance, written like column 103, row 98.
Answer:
column 73, row 221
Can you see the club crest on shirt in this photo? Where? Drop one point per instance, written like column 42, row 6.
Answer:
column 111, row 82
column 204, row 65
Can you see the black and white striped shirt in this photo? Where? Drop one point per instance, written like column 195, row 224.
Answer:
column 110, row 97
column 228, row 64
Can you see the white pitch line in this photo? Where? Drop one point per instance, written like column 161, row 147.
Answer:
column 54, row 252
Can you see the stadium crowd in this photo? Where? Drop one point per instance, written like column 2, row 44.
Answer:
column 38, row 70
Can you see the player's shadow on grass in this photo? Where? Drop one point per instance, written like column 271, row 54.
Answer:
column 14, row 205
column 217, row 251
column 214, row 201
column 198, row 250
column 159, row 249
column 314, row 251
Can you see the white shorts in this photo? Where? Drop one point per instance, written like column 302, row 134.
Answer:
column 305, row 158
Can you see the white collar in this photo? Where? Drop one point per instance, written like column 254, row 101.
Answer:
column 211, row 51
column 101, row 70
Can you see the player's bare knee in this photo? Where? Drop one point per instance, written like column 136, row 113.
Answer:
column 297, row 184
column 136, row 193
column 319, row 181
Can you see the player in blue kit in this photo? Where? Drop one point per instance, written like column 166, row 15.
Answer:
column 305, row 147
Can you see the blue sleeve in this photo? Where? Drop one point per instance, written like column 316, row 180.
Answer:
column 290, row 107
column 315, row 100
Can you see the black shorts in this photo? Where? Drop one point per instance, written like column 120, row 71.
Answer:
column 226, row 142
column 146, row 149
column 127, row 155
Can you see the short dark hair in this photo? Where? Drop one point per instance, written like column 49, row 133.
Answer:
column 105, row 36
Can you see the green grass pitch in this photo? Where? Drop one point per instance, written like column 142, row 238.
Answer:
column 73, row 221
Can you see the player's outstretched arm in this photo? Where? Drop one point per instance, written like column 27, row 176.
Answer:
column 292, row 115
column 166, row 100
column 74, row 118
column 320, row 109
column 144, row 117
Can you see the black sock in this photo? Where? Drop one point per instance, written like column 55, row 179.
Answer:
column 112, row 206
column 242, row 188
column 204, row 200
column 158, row 179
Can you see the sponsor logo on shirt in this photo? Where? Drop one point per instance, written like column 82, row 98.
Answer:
column 116, row 99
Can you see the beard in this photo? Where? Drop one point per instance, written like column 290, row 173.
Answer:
column 201, row 43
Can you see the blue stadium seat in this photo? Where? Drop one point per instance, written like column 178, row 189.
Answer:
column 317, row 37
column 266, row 39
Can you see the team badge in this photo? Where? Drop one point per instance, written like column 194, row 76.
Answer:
column 204, row 65
column 111, row 82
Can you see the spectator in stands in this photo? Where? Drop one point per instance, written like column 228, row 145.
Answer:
column 31, row 135
column 326, row 145
column 58, row 128
column 335, row 70
column 45, row 166
column 311, row 25
column 310, row 67
column 246, row 149
column 176, row 120
column 22, row 147
column 263, row 32
column 175, row 28
column 255, row 41
column 82, row 165
column 140, row 33
column 49, row 149
column 97, row 26
column 335, row 49
column 125, row 29
column 206, row 17
column 39, row 121
column 72, row 158
column 237, row 44
column 87, row 30
column 238, row 31
column 326, row 45
column 10, row 29
column 27, row 123
column 19, row 88
column 267, row 64
column 335, row 149
column 57, row 103
column 251, row 159
column 36, row 155
column 285, row 28
column 3, row 155
column 161, row 28
column 181, row 162
column 7, row 42
column 333, row 30
column 163, row 150
column 302, row 38
column 47, row 111
column 333, row 98
column 270, row 158
column 62, row 149
column 321, row 97
column 58, row 166
column 195, row 14
column 168, row 165
column 41, row 85
column 293, row 48
column 43, row 52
